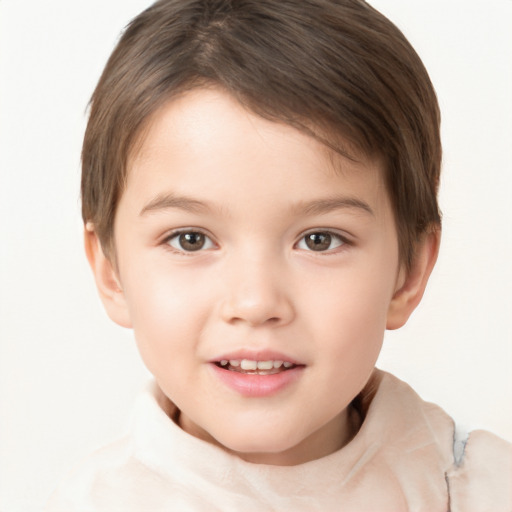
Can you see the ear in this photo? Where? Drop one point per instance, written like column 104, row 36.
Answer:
column 107, row 280
column 411, row 284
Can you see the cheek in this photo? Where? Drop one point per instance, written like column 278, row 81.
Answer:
column 354, row 294
column 353, row 325
column 350, row 316
column 167, row 310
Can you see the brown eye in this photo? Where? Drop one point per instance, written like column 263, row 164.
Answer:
column 320, row 241
column 190, row 241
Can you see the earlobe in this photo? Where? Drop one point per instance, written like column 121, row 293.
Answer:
column 413, row 283
column 107, row 281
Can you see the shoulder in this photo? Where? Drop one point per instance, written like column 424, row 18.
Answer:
column 474, row 470
column 102, row 480
column 90, row 478
column 482, row 479
column 114, row 479
column 143, row 470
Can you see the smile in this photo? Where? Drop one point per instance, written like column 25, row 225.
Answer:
column 264, row 374
column 251, row 367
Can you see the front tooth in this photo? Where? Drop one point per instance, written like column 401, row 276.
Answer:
column 247, row 364
column 286, row 364
column 265, row 365
column 234, row 362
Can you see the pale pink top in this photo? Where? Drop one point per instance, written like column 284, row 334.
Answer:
column 402, row 459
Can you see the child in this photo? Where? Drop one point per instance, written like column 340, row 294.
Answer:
column 259, row 196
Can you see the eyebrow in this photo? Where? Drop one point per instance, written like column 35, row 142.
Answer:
column 315, row 207
column 166, row 201
column 320, row 206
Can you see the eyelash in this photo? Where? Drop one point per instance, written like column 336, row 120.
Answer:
column 343, row 241
column 175, row 236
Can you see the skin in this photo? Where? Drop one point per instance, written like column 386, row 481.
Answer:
column 255, row 188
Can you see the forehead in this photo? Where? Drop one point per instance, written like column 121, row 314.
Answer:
column 207, row 142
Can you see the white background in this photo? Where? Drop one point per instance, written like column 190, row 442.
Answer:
column 68, row 376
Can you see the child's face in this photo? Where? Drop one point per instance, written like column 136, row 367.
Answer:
column 237, row 239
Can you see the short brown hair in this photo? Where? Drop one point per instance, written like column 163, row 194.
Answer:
column 337, row 69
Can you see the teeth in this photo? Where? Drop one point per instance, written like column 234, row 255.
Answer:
column 265, row 365
column 251, row 365
column 247, row 364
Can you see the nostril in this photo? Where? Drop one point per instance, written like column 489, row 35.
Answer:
column 255, row 320
column 256, row 309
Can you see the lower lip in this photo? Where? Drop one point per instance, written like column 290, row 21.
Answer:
column 251, row 385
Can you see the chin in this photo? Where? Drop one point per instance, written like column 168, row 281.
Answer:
column 252, row 446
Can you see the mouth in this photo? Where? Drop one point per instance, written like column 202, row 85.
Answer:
column 257, row 374
column 253, row 367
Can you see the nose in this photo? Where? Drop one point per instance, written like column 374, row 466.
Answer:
column 258, row 293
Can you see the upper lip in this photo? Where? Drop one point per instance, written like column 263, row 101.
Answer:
column 256, row 355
